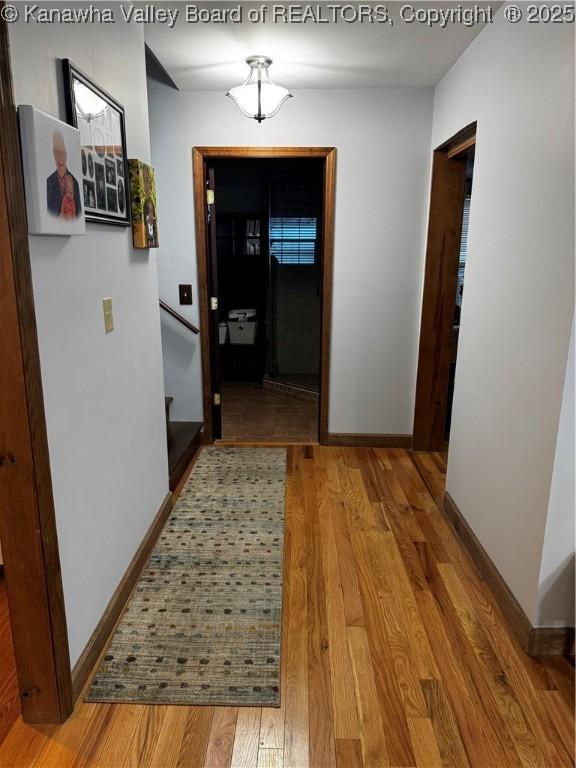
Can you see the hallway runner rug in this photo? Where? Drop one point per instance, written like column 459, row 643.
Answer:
column 203, row 625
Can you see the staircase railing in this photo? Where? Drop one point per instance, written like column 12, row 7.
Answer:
column 186, row 323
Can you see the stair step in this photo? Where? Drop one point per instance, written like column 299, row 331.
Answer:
column 184, row 438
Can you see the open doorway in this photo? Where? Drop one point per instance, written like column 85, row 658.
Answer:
column 264, row 221
column 447, row 246
column 268, row 242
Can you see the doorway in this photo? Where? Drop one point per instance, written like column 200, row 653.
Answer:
column 450, row 197
column 268, row 239
column 264, row 228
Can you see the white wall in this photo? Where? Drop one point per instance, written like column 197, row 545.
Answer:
column 383, row 140
column 517, row 81
column 556, row 590
column 103, row 393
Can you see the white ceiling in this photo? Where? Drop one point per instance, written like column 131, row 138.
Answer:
column 211, row 56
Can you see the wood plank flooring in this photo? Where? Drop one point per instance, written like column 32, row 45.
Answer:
column 9, row 699
column 393, row 653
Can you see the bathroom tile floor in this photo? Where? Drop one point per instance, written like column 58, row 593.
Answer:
column 250, row 412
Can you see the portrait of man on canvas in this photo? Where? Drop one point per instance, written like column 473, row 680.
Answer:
column 62, row 188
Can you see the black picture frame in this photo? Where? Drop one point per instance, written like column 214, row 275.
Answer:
column 109, row 129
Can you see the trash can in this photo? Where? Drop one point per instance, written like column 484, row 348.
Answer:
column 242, row 326
column 222, row 333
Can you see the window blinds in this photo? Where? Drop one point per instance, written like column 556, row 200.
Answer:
column 294, row 219
column 463, row 249
column 293, row 239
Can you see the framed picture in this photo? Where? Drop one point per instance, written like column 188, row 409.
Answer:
column 143, row 202
column 52, row 165
column 100, row 121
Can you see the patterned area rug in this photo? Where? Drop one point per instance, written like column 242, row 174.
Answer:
column 203, row 625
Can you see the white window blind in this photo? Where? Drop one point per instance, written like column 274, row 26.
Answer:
column 293, row 239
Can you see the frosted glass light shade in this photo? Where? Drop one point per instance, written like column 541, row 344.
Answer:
column 258, row 97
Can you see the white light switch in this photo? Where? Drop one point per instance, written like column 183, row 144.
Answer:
column 108, row 315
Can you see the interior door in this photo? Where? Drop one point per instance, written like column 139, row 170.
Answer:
column 214, row 302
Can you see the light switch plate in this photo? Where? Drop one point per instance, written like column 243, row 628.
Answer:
column 185, row 291
column 108, row 315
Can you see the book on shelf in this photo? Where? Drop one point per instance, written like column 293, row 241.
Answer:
column 252, row 228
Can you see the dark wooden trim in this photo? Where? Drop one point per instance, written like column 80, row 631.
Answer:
column 438, row 301
column 200, row 155
column 551, row 641
column 512, row 610
column 213, row 290
column 536, row 641
column 327, row 290
column 186, row 474
column 172, row 312
column 213, row 153
column 27, row 523
column 118, row 601
column 369, row 441
column 203, row 288
column 462, row 146
column 460, row 141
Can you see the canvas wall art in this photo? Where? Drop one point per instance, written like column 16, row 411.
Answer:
column 52, row 174
column 100, row 120
column 143, row 201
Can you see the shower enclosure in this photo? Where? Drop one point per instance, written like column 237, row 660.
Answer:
column 294, row 294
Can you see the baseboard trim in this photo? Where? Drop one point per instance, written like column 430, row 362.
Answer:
column 369, row 440
column 551, row 641
column 536, row 641
column 115, row 607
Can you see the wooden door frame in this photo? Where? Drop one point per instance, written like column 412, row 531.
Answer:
column 440, row 278
column 200, row 157
column 27, row 522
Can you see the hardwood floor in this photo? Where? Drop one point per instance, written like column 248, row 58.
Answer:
column 394, row 652
column 9, row 699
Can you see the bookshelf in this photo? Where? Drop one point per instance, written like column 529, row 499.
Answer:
column 241, row 235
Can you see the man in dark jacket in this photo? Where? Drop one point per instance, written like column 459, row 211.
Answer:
column 56, row 183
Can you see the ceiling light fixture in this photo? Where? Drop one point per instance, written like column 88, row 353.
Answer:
column 258, row 97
